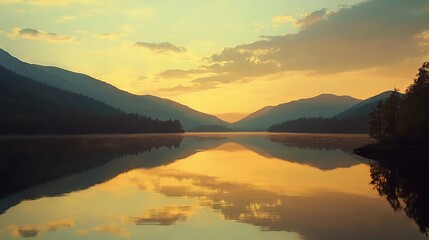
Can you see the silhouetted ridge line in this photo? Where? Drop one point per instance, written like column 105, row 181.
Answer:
column 30, row 107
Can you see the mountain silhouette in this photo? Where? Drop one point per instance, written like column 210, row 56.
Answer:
column 325, row 105
column 147, row 105
column 30, row 107
column 364, row 107
column 353, row 120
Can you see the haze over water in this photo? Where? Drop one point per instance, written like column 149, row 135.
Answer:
column 200, row 186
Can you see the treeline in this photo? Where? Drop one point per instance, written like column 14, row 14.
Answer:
column 85, row 123
column 357, row 124
column 30, row 107
column 404, row 119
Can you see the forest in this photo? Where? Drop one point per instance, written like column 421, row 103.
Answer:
column 357, row 124
column 30, row 107
column 404, row 120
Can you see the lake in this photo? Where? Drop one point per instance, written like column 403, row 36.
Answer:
column 203, row 186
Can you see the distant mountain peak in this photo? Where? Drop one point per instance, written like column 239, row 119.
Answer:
column 323, row 105
column 364, row 107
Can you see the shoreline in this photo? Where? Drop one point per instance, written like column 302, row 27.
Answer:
column 392, row 151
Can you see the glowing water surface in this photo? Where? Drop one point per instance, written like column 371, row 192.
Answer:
column 213, row 186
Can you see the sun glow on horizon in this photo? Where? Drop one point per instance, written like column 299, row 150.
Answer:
column 226, row 58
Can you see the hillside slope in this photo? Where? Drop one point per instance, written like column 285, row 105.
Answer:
column 146, row 105
column 325, row 105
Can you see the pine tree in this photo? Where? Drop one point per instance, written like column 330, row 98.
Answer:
column 376, row 123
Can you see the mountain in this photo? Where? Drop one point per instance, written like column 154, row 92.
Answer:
column 364, row 107
column 30, row 107
column 325, row 105
column 353, row 120
column 146, row 105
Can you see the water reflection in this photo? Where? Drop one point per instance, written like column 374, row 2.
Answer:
column 41, row 159
column 166, row 216
column 32, row 231
column 210, row 186
column 404, row 182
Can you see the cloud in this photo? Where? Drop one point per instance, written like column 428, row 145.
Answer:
column 259, row 26
column 34, row 34
column 192, row 87
column 281, row 19
column 161, row 47
column 203, row 83
column 107, row 35
column 312, row 18
column 102, row 35
column 377, row 33
column 423, row 38
column 179, row 73
column 66, row 18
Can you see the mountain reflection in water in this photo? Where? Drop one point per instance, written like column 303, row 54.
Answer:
column 210, row 186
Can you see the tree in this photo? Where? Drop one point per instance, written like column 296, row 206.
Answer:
column 404, row 119
column 376, row 123
column 390, row 115
column 415, row 111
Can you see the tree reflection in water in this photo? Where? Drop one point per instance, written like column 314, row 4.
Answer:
column 405, row 184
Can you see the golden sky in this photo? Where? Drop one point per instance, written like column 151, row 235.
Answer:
column 225, row 57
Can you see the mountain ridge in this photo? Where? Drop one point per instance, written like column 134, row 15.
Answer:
column 31, row 107
column 323, row 105
column 147, row 105
column 365, row 106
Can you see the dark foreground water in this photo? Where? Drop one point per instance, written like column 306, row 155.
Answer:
column 204, row 186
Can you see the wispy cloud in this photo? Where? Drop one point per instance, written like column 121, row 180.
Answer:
column 281, row 19
column 180, row 73
column 124, row 29
column 259, row 26
column 102, row 35
column 187, row 88
column 423, row 38
column 34, row 34
column 161, row 47
column 66, row 18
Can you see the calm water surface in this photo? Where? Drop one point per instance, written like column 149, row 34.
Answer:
column 195, row 186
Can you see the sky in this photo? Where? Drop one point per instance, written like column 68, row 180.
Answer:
column 223, row 57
